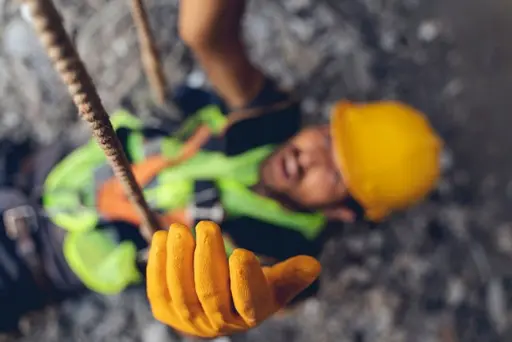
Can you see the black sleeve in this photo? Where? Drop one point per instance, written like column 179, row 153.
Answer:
column 270, row 240
column 269, row 128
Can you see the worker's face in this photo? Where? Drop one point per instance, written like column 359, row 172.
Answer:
column 304, row 172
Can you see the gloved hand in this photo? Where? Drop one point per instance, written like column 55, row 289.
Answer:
column 195, row 289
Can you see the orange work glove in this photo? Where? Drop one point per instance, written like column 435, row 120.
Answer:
column 195, row 289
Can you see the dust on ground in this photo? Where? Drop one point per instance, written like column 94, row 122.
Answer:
column 440, row 271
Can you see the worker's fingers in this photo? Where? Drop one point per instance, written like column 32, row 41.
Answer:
column 291, row 277
column 252, row 296
column 157, row 290
column 180, row 277
column 211, row 276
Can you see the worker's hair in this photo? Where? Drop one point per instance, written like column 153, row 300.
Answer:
column 351, row 203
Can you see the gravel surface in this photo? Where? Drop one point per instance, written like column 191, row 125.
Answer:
column 439, row 272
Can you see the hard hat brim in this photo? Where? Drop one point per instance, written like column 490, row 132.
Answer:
column 342, row 145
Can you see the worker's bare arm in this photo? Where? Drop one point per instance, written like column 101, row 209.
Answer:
column 212, row 30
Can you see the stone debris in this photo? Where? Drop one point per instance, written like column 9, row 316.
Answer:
column 430, row 274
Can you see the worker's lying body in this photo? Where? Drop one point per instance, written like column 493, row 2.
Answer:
column 86, row 230
column 269, row 185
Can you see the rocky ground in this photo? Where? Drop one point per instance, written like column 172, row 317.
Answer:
column 439, row 272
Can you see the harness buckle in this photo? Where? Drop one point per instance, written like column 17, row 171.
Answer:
column 214, row 213
column 206, row 205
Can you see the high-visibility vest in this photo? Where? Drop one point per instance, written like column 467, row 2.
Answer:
column 99, row 259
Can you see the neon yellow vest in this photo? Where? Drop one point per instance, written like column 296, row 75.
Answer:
column 108, row 267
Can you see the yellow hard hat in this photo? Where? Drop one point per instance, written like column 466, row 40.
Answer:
column 387, row 152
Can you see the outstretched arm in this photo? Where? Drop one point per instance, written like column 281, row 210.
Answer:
column 212, row 29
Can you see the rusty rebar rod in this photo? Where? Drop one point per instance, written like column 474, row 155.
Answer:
column 66, row 61
column 148, row 52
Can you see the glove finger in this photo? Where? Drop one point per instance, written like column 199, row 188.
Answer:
column 211, row 277
column 157, row 291
column 180, row 277
column 291, row 277
column 252, row 296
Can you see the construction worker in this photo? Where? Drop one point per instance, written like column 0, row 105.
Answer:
column 239, row 173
